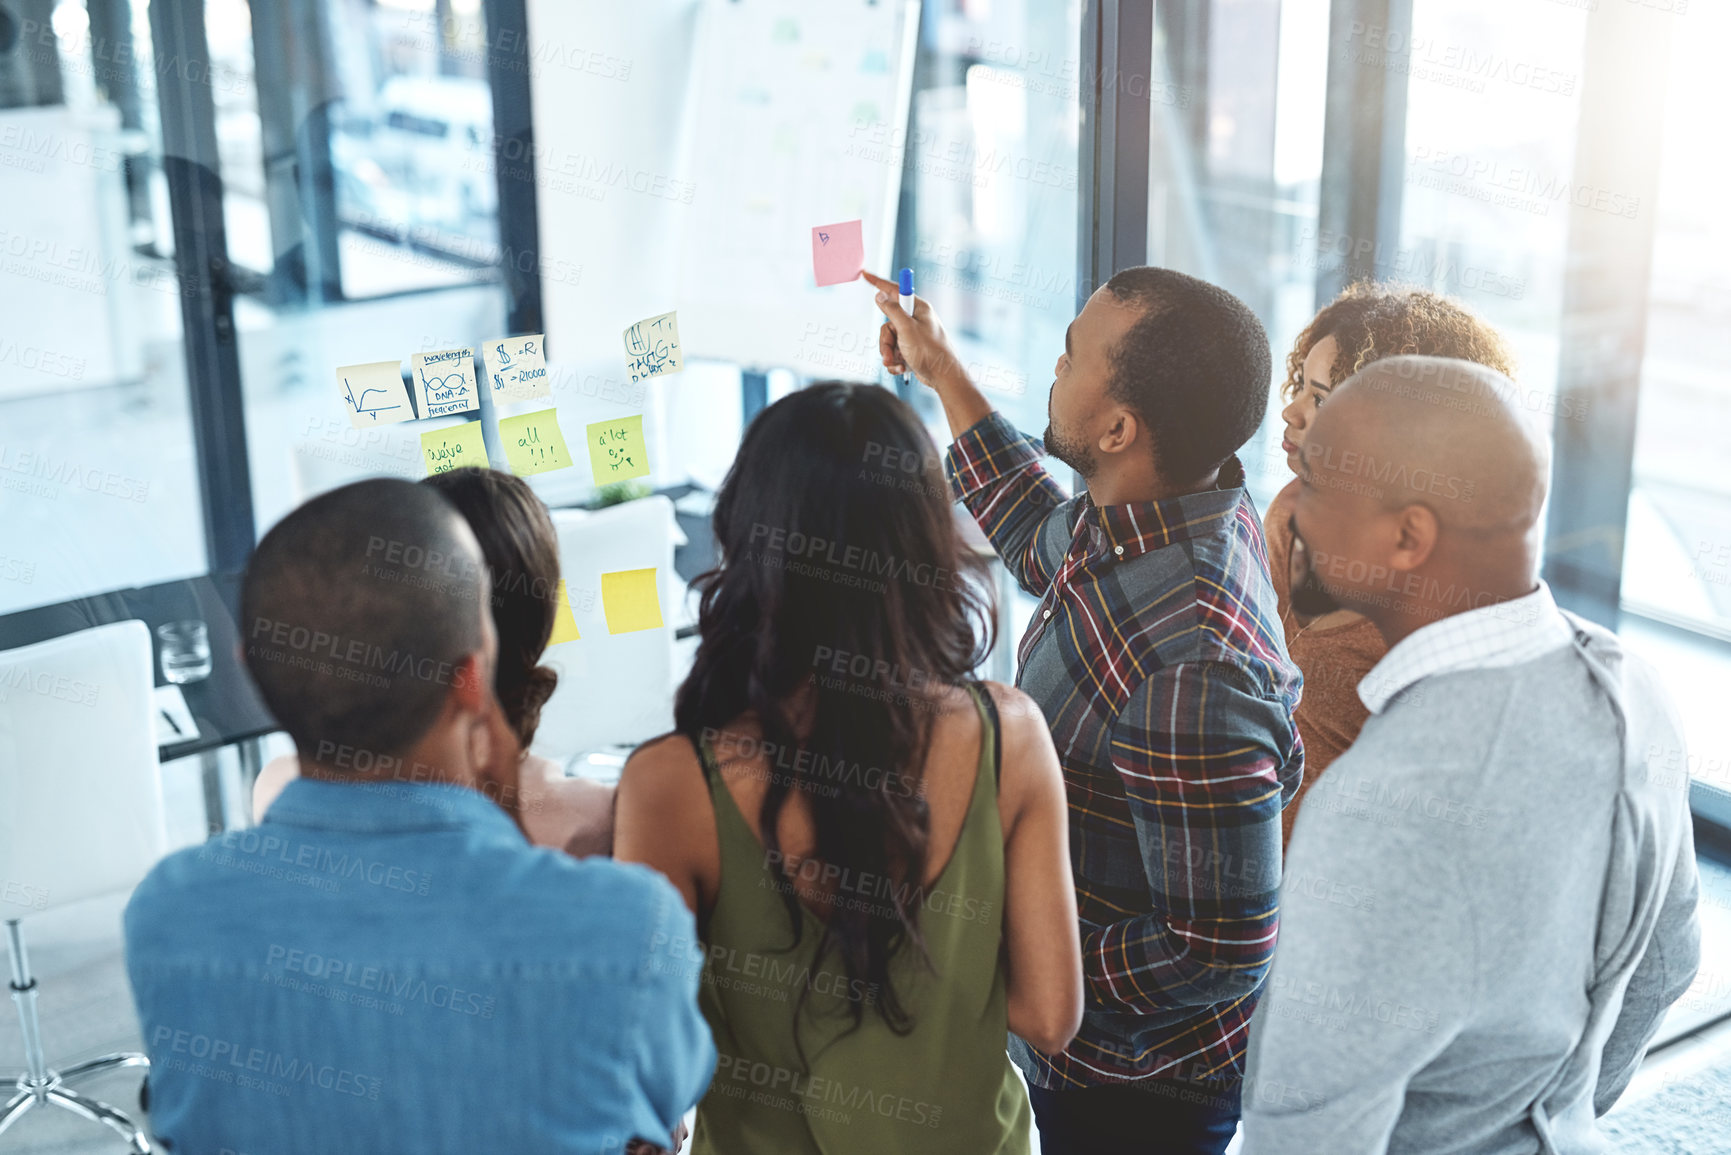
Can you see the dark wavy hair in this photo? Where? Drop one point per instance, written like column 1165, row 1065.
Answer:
column 522, row 555
column 836, row 536
column 1370, row 321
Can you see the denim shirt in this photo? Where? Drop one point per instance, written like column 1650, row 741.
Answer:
column 392, row 967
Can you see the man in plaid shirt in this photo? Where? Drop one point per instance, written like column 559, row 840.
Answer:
column 1157, row 657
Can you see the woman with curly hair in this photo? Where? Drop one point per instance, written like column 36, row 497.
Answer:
column 1335, row 650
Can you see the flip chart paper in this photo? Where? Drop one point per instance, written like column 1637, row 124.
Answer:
column 457, row 447
column 373, row 394
column 533, row 443
column 564, row 621
column 517, row 367
column 630, row 601
column 837, row 252
column 445, row 382
column 652, row 347
column 616, row 450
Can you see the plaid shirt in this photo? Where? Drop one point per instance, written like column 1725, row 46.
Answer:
column 1158, row 660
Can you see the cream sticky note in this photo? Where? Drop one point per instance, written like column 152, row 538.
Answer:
column 455, row 447
column 630, row 600
column 564, row 622
column 837, row 252
column 373, row 394
column 533, row 443
column 445, row 382
column 517, row 367
column 616, row 449
column 652, row 347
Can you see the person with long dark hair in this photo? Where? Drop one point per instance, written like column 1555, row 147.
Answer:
column 522, row 552
column 875, row 844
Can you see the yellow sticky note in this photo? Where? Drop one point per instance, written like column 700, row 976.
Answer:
column 629, row 597
column 455, row 447
column 533, row 443
column 564, row 622
column 616, row 449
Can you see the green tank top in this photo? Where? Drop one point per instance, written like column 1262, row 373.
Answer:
column 948, row 1086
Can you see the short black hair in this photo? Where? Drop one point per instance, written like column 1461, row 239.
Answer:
column 1195, row 366
column 356, row 609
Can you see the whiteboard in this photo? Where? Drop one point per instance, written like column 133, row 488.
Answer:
column 800, row 121
column 685, row 149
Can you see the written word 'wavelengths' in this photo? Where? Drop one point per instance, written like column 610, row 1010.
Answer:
column 445, row 382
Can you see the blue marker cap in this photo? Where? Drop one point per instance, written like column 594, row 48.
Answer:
column 907, row 283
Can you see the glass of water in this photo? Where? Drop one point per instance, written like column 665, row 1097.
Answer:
column 185, row 651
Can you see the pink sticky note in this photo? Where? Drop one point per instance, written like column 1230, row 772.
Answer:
column 837, row 252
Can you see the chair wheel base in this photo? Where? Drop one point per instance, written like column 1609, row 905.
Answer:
column 51, row 1090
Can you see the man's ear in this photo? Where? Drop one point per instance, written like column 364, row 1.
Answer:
column 469, row 683
column 1123, row 432
column 1416, row 530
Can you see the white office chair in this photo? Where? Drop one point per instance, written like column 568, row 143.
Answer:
column 614, row 689
column 81, row 815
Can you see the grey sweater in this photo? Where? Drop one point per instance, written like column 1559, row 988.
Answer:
column 1489, row 902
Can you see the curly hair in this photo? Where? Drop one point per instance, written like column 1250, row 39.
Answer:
column 1370, row 321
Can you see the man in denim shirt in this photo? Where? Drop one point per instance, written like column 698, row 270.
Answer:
column 386, row 964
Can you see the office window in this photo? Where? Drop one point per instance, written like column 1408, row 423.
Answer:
column 1678, row 561
column 990, row 189
column 1235, row 161
column 98, row 484
column 1677, row 548
column 361, row 208
column 1493, row 103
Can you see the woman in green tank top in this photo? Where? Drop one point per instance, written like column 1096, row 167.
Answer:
column 874, row 845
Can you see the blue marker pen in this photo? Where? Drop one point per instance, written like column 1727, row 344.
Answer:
column 905, row 298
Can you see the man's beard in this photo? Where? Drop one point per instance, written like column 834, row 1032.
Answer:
column 1308, row 596
column 1075, row 454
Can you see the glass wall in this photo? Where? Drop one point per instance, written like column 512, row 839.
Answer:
column 356, row 144
column 1235, row 164
column 98, row 484
column 1677, row 552
column 990, row 190
column 1679, row 548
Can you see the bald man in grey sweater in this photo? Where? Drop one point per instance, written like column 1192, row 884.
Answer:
column 1489, row 900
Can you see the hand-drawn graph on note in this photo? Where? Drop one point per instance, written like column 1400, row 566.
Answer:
column 373, row 394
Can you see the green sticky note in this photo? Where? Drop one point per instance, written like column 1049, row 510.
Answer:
column 630, row 599
column 564, row 621
column 533, row 443
column 616, row 449
column 454, row 447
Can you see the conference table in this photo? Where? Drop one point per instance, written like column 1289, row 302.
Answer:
column 224, row 704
